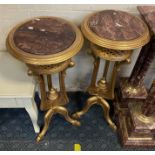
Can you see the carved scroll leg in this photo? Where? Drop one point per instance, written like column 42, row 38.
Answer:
column 104, row 104
column 62, row 75
column 43, row 91
column 49, row 82
column 63, row 111
column 47, row 119
column 95, row 71
column 91, row 101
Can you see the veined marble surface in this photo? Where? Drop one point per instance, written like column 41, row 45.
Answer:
column 116, row 25
column 148, row 12
column 44, row 36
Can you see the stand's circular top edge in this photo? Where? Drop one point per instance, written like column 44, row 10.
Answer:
column 55, row 58
column 115, row 44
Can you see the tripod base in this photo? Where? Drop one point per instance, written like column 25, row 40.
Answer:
column 48, row 116
column 100, row 101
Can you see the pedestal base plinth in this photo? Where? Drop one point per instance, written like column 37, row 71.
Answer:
column 60, row 100
column 134, row 128
column 126, row 94
column 132, row 92
column 120, row 105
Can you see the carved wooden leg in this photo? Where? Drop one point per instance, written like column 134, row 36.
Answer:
column 104, row 104
column 91, row 101
column 95, row 71
column 47, row 119
column 57, row 109
column 105, row 72
column 63, row 111
column 42, row 91
column 49, row 81
column 62, row 84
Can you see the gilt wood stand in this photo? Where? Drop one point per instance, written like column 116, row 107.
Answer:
column 46, row 45
column 113, row 36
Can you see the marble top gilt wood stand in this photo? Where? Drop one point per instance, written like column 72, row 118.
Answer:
column 113, row 36
column 135, row 124
column 46, row 45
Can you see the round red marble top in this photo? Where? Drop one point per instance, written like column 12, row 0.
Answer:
column 44, row 36
column 116, row 25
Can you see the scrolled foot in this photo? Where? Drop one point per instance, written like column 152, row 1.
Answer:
column 113, row 126
column 76, row 115
column 39, row 138
column 76, row 123
column 63, row 111
column 91, row 101
column 47, row 119
column 104, row 104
